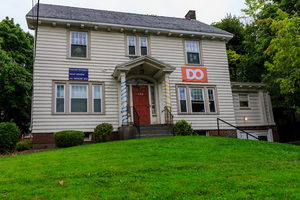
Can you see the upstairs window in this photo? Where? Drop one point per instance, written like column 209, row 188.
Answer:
column 143, row 46
column 78, row 42
column 131, row 45
column 192, row 52
column 244, row 101
column 137, row 46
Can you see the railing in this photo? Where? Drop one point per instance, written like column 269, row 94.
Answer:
column 218, row 119
column 136, row 120
column 168, row 115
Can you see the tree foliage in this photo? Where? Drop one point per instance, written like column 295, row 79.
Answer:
column 284, row 50
column 16, row 54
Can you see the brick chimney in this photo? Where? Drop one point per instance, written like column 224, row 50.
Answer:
column 191, row 15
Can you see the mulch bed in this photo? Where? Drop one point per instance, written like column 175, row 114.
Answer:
column 17, row 153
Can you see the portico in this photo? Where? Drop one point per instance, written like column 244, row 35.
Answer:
column 144, row 86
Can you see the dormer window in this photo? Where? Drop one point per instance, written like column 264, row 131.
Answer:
column 78, row 42
column 137, row 46
column 192, row 52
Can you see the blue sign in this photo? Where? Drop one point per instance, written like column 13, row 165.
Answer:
column 77, row 74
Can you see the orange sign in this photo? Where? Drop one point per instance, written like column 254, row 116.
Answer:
column 194, row 74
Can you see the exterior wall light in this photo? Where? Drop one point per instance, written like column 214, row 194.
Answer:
column 245, row 118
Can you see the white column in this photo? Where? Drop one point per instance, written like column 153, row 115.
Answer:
column 123, row 99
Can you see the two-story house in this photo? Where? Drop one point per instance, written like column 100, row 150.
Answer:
column 95, row 66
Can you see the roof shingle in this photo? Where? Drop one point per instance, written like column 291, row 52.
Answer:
column 103, row 16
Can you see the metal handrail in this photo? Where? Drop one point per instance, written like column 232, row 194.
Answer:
column 168, row 116
column 218, row 119
column 136, row 120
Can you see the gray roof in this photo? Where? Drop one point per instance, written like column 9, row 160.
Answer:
column 103, row 16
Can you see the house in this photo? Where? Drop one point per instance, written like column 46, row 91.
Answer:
column 95, row 66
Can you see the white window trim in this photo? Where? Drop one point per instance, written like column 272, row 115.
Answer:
column 248, row 99
column 93, row 96
column 143, row 46
column 87, row 98
column 186, row 106
column 186, row 52
column 203, row 96
column 86, row 38
column 134, row 45
column 208, row 88
column 60, row 97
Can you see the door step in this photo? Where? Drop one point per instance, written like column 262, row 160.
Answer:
column 154, row 130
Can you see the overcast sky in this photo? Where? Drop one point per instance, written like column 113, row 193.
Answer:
column 207, row 11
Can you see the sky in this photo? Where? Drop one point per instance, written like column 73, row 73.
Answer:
column 207, row 11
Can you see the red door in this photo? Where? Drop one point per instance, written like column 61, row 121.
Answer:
column 140, row 98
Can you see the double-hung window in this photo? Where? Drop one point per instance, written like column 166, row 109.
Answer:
column 196, row 100
column 211, row 100
column 131, row 41
column 78, row 44
column 97, row 98
column 70, row 97
column 60, row 98
column 137, row 46
column 244, row 101
column 143, row 46
column 192, row 52
column 79, row 98
column 182, row 99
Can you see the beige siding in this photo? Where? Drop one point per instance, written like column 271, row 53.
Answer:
column 255, row 111
column 170, row 50
column 107, row 51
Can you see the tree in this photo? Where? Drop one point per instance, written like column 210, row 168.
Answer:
column 16, row 54
column 234, row 47
column 284, row 67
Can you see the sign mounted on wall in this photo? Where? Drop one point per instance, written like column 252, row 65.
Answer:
column 77, row 74
column 194, row 74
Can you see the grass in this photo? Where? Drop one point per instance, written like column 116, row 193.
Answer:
column 156, row 168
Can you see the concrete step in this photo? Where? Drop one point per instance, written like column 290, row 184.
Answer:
column 154, row 130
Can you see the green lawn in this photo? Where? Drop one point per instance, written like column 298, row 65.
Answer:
column 195, row 167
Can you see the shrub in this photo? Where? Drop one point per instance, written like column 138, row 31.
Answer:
column 102, row 132
column 22, row 146
column 183, row 128
column 9, row 134
column 29, row 142
column 68, row 138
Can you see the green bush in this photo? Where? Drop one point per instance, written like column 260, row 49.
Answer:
column 22, row 146
column 68, row 138
column 29, row 142
column 183, row 128
column 102, row 132
column 9, row 136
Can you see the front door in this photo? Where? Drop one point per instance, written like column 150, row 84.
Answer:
column 140, row 97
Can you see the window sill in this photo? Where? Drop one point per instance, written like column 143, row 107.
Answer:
column 78, row 58
column 198, row 113
column 245, row 108
column 78, row 114
column 191, row 64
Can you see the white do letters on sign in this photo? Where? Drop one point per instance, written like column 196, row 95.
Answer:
column 194, row 74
